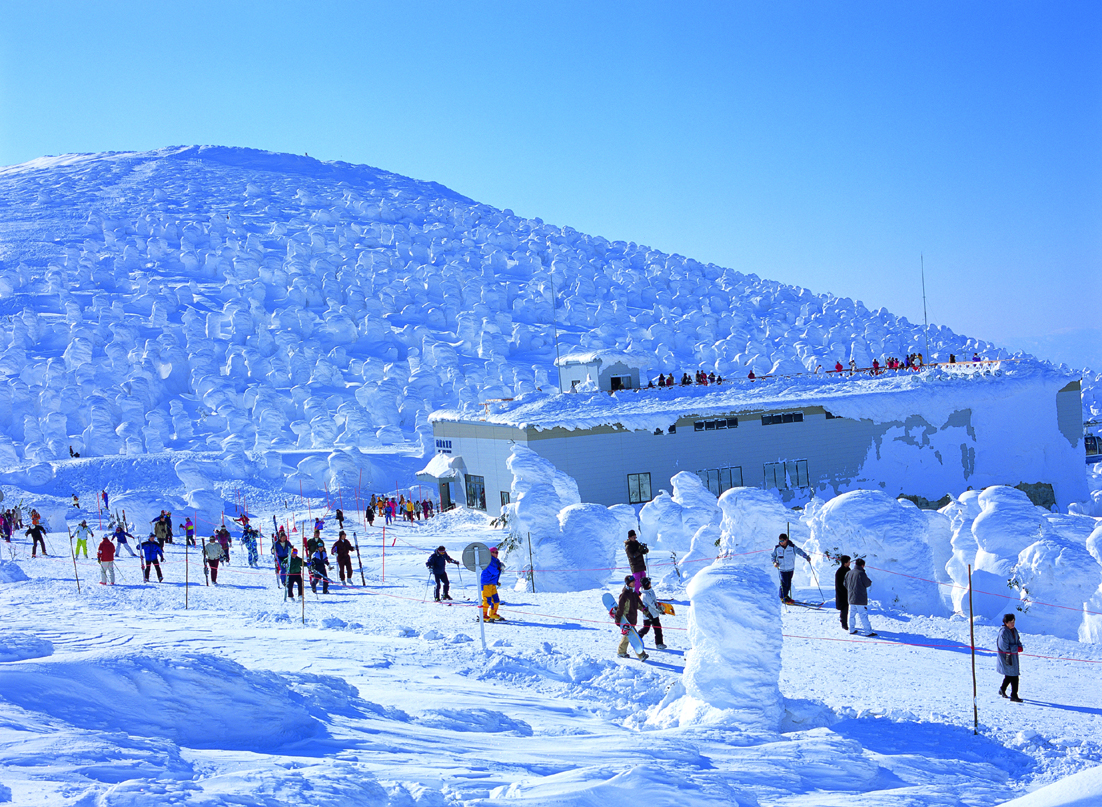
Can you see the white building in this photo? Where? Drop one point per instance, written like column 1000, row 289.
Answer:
column 924, row 435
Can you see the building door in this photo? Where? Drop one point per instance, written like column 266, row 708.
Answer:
column 445, row 496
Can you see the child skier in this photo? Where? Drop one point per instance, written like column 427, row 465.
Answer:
column 491, row 575
column 319, row 569
column 651, row 614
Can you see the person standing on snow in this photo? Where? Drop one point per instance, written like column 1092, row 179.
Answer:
column 106, row 557
column 153, row 555
column 189, row 531
column 652, row 614
column 84, row 532
column 784, row 558
column 857, row 588
column 120, row 535
column 342, row 549
column 37, row 533
column 627, row 611
column 1009, row 646
column 491, row 575
column 249, row 537
column 294, row 575
column 841, row 596
column 282, row 551
column 223, row 537
column 438, row 564
column 319, row 569
column 212, row 556
column 638, row 563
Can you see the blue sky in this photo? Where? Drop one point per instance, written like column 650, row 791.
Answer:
column 823, row 144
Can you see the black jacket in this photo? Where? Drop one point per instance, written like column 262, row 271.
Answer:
column 841, row 596
column 636, row 551
column 438, row 563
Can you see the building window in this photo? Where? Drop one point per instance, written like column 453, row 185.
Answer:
column 639, row 488
column 787, row 417
column 1093, row 445
column 712, row 425
column 443, row 446
column 786, row 475
column 476, row 492
column 720, row 480
column 832, row 416
column 504, row 497
column 617, row 382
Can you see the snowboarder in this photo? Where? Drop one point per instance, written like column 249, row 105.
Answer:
column 784, row 559
column 1009, row 646
column 438, row 563
column 319, row 569
column 106, row 557
column 294, row 575
column 153, row 555
column 841, row 596
column 857, row 588
column 37, row 534
column 212, row 556
column 627, row 610
column 652, row 613
column 84, row 532
column 491, row 575
column 636, row 559
column 342, row 548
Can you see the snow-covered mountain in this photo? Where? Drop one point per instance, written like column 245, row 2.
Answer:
column 279, row 311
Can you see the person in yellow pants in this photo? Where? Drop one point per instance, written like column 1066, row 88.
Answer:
column 84, row 532
column 490, row 577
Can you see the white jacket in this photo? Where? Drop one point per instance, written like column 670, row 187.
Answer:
column 650, row 603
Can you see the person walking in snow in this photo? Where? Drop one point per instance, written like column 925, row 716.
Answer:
column 120, row 535
column 103, row 494
column 223, row 536
column 340, row 519
column 319, row 569
column 342, row 549
column 841, row 596
column 636, row 558
column 189, row 531
column 491, row 576
column 438, row 564
column 1009, row 646
column 153, row 554
column 84, row 532
column 212, row 556
column 652, row 614
column 627, row 611
column 369, row 514
column 250, row 538
column 784, row 559
column 282, row 551
column 37, row 534
column 294, row 575
column 106, row 557
column 857, row 589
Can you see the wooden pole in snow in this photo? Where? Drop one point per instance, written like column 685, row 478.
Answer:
column 972, row 632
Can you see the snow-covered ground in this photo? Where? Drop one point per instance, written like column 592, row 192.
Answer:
column 121, row 696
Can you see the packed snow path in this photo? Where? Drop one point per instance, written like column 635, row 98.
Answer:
column 384, row 697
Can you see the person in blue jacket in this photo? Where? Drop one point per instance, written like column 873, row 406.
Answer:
column 120, row 535
column 490, row 577
column 152, row 554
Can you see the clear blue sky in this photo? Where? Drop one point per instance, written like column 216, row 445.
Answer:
column 826, row 144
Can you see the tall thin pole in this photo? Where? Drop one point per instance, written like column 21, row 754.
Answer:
column 74, row 554
column 925, row 320
column 972, row 631
column 555, row 325
column 531, row 563
column 186, row 584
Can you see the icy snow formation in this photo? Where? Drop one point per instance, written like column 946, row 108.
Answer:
column 670, row 522
column 732, row 672
column 262, row 307
column 577, row 543
column 895, row 538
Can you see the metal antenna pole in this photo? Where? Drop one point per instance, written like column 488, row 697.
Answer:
column 925, row 320
column 555, row 325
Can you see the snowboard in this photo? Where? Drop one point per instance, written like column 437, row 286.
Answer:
column 667, row 608
column 634, row 639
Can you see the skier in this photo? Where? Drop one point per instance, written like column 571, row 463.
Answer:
column 627, row 610
column 490, row 577
column 857, row 588
column 153, row 555
column 212, row 556
column 294, row 575
column 103, row 493
column 438, row 562
column 369, row 513
column 223, row 536
column 120, row 536
column 841, row 596
column 784, row 559
column 189, row 531
column 652, row 614
column 84, row 532
column 38, row 534
column 1009, row 646
column 340, row 518
column 76, row 501
column 319, row 569
column 635, row 552
column 249, row 537
column 106, row 557
column 159, row 529
column 282, row 551
column 342, row 548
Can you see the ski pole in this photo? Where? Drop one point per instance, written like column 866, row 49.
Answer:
column 816, row 579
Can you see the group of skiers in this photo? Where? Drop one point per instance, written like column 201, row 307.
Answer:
column 401, row 508
column 290, row 565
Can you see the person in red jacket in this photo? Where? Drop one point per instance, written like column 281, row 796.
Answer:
column 106, row 557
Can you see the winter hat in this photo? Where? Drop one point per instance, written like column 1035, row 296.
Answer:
column 441, row 548
column 631, row 533
column 493, row 550
column 629, row 580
